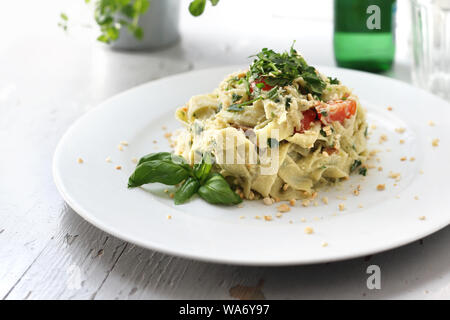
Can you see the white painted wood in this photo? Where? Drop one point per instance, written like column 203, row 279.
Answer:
column 48, row 79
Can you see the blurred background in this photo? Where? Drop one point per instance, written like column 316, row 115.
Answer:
column 34, row 46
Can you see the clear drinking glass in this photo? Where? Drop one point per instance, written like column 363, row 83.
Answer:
column 431, row 45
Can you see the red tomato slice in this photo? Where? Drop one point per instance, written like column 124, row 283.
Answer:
column 265, row 88
column 337, row 110
column 309, row 116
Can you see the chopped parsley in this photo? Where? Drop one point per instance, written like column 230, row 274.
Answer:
column 363, row 171
column 333, row 80
column 355, row 165
column 235, row 97
column 237, row 107
column 287, row 104
column 281, row 69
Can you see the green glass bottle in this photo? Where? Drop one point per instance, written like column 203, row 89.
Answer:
column 364, row 34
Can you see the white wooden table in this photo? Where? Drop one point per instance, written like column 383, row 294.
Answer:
column 49, row 79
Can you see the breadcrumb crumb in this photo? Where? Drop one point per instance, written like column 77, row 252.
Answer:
column 305, row 202
column 402, row 141
column 80, row 161
column 124, row 143
column 383, row 138
column 381, row 187
column 171, row 195
column 118, row 167
column 268, row 218
column 169, row 217
column 324, row 244
column 325, row 200
column 341, row 207
column 394, row 175
column 284, row 208
column 309, row 230
column 268, row 201
column 400, row 130
column 120, row 147
column 292, row 202
column 422, row 218
column 435, row 143
column 431, row 123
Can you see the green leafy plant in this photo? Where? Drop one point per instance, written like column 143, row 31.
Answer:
column 113, row 15
column 196, row 7
column 169, row 169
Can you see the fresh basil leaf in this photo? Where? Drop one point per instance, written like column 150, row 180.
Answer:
column 217, row 191
column 202, row 170
column 187, row 190
column 161, row 156
column 197, row 7
column 163, row 171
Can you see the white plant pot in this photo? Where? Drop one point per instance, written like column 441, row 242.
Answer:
column 160, row 26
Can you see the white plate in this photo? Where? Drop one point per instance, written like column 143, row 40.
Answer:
column 387, row 219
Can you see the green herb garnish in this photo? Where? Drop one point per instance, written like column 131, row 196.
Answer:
column 235, row 97
column 333, row 80
column 363, row 171
column 287, row 104
column 170, row 169
column 355, row 165
column 281, row 69
column 237, row 107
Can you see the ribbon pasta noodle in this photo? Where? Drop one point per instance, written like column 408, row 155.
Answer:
column 281, row 141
